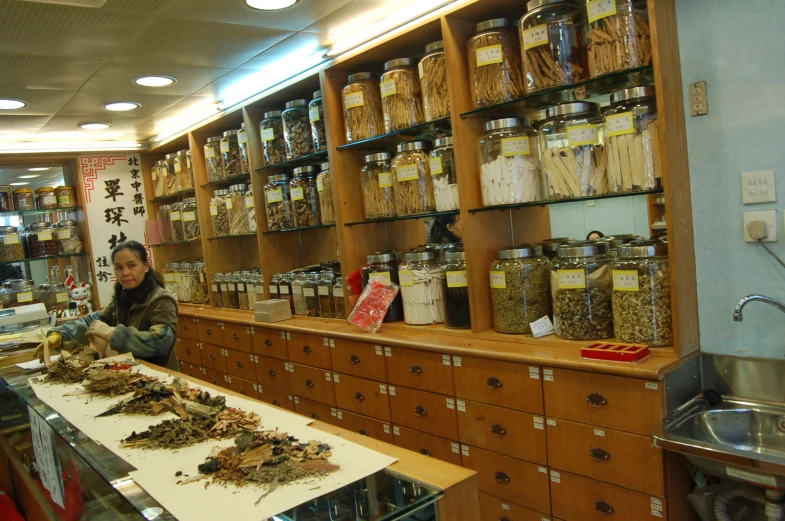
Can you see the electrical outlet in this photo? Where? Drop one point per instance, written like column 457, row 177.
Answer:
column 699, row 105
column 770, row 216
column 758, row 187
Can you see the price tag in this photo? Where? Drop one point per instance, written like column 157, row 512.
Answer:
column 324, row 291
column 457, row 279
column 320, row 185
column 189, row 216
column 421, row 70
column 308, row 292
column 155, row 177
column 313, row 114
column 45, row 235
column 297, row 194
column 498, row 280
column 407, row 173
column 515, row 146
column 209, row 152
column 625, row 280
column 26, row 296
column 242, row 137
column 572, row 279
column 583, row 135
column 599, row 9
column 11, row 239
column 489, row 55
column 225, row 146
column 382, row 277
column 388, row 88
column 213, row 210
column 274, row 196
column 175, row 216
column 249, row 201
column 436, row 166
column 63, row 234
column 232, row 287
column 177, row 167
column 62, row 297
column 268, row 134
column 406, row 278
column 619, row 124
column 385, row 180
column 542, row 327
column 353, row 100
column 535, row 36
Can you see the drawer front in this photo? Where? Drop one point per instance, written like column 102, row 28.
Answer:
column 311, row 350
column 272, row 372
column 241, row 365
column 361, row 396
column 315, row 410
column 517, row 434
column 493, row 509
column 359, row 359
column 275, row 397
column 188, row 351
column 370, row 427
column 269, row 342
column 608, row 455
column 242, row 386
column 427, row 444
column 215, row 377
column 194, row 371
column 423, row 411
column 616, row 402
column 312, row 383
column 187, row 327
column 576, row 498
column 214, row 357
column 506, row 384
column 508, row 478
column 210, row 332
column 237, row 337
column 420, row 370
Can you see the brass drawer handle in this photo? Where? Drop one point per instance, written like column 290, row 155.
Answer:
column 497, row 430
column 596, row 400
column 309, row 384
column 603, row 508
column 314, row 416
column 208, row 332
column 504, row 519
column 212, row 358
column 185, row 327
column 307, row 350
column 501, row 478
column 267, row 343
column 416, row 370
column 599, row 455
column 359, row 396
column 494, row 383
column 243, row 391
column 239, row 365
column 363, row 432
column 354, row 359
column 188, row 350
column 425, row 452
column 420, row 411
column 271, row 373
column 276, row 402
column 235, row 337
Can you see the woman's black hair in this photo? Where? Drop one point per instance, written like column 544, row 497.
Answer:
column 598, row 232
column 124, row 299
column 440, row 234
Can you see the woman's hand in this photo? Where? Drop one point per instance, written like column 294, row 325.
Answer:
column 100, row 330
column 55, row 342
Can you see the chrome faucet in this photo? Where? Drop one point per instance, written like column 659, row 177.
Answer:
column 737, row 316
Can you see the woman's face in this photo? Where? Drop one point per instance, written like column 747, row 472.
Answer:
column 594, row 236
column 456, row 228
column 129, row 268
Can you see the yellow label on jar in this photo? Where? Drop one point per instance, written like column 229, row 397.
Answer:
column 625, row 280
column 297, row 194
column 213, row 210
column 571, row 279
column 354, row 100
column 457, row 279
column 313, row 114
column 599, row 9
column 189, row 216
column 155, row 177
column 407, row 173
column 45, row 235
column 242, row 138
column 178, row 277
column 177, row 167
column 225, row 146
column 324, row 291
column 209, row 152
column 436, row 166
column 382, row 277
column 174, row 216
column 619, row 124
column 268, row 134
column 168, row 277
column 535, row 36
column 338, row 292
column 583, row 135
column 320, row 185
column 421, row 70
column 249, row 201
column 406, row 278
column 489, row 55
column 498, row 280
column 26, row 296
column 274, row 196
column 10, row 239
column 515, row 146
column 388, row 88
column 229, row 204
column 62, row 297
column 64, row 200
column 63, row 234
column 385, row 180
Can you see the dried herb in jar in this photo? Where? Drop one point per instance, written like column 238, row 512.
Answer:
column 494, row 63
column 401, row 96
column 411, row 177
column 297, row 129
column 230, row 154
column 455, row 288
column 520, row 289
column 362, row 107
column 433, row 82
column 618, row 38
column 271, row 129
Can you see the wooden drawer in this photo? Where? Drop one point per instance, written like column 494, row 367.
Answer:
column 312, row 383
column 370, row 427
column 214, row 357
column 420, row 370
column 424, row 411
column 576, row 498
column 272, row 372
column 215, row 377
column 495, row 509
column 512, row 479
column 188, row 351
column 608, row 455
column 311, row 350
column 617, row 402
column 241, row 365
column 194, row 371
column 427, row 444
column 506, row 384
column 315, row 410
column 361, row 396
column 210, row 332
column 275, row 397
column 269, row 342
column 517, row 434
column 237, row 337
column 188, row 327
column 359, row 359
column 242, row 386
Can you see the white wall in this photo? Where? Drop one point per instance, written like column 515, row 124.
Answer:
column 610, row 216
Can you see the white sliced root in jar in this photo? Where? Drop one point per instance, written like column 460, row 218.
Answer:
column 423, row 301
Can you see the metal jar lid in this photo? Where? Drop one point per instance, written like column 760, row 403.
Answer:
column 399, row 62
column 304, row 170
column 237, row 188
column 277, row 178
column 166, row 207
column 498, row 124
column 7, row 229
column 317, row 94
column 521, row 251
column 643, row 249
column 40, row 226
column 534, row 4
column 157, row 163
column 185, row 265
column 553, row 243
column 646, row 91
column 272, row 114
column 419, row 255
column 242, row 126
column 583, row 249
column 614, row 241
column 454, row 255
column 221, row 192
column 171, row 265
column 214, row 139
column 381, row 257
column 435, row 46
column 66, row 222
column 496, row 23
column 198, row 265
column 570, row 109
column 23, row 191
column 189, row 200
column 412, row 145
column 176, row 206
column 443, row 142
column 324, row 166
column 381, row 156
column 170, row 156
column 359, row 76
column 182, row 153
column 297, row 103
column 230, row 133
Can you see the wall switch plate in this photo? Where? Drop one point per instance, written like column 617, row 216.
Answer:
column 699, row 104
column 758, row 187
column 770, row 216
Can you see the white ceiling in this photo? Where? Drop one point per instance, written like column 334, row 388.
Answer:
column 67, row 61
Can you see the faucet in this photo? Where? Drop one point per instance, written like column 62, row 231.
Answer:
column 737, row 316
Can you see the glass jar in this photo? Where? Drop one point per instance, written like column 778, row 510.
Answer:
column 297, row 294
column 310, row 294
column 236, row 211
column 231, row 297
column 259, row 282
column 616, row 241
column 324, row 290
column 642, row 311
column 250, row 209
column 362, row 107
column 520, row 288
column 213, row 159
column 176, row 218
column 582, row 291
column 66, row 196
column 550, row 247
column 316, row 117
column 18, row 292
column 339, row 300
column 164, row 223
column 158, row 176
column 24, row 199
column 11, row 247
column 433, row 82
column 170, row 176
column 45, row 198
column 68, row 240
column 411, row 178
column 170, row 283
column 510, row 169
column 60, row 297
column 285, row 289
column 277, row 205
column 250, row 288
column 242, row 142
column 574, row 163
column 215, row 290
column 271, row 129
column 324, row 187
column 199, row 290
column 383, row 266
column 230, row 154
column 552, row 44
column 190, row 217
column 443, row 176
column 218, row 213
column 273, row 286
column 421, row 277
column 495, row 63
column 305, row 197
column 619, row 36
column 41, row 240
column 182, row 170
column 185, row 282
column 241, row 279
column 401, row 95
column 377, row 187
column 632, row 142
column 297, row 129
column 455, row 288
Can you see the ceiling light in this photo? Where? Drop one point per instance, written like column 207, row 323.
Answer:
column 25, row 147
column 270, row 5
column 94, row 126
column 38, row 169
column 18, row 184
column 28, row 176
column 121, row 106
column 11, row 104
column 154, row 81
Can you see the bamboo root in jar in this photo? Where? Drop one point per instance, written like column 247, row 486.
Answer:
column 403, row 108
column 576, row 171
column 364, row 121
column 632, row 161
column 378, row 201
column 496, row 82
column 326, row 202
column 619, row 42
column 415, row 196
column 543, row 71
column 237, row 216
column 436, row 101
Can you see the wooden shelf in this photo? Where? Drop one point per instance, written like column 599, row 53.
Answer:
column 426, row 131
column 178, row 243
column 228, row 181
column 561, row 201
column 231, row 236
column 301, row 229
column 401, row 218
column 172, row 197
column 40, row 212
column 47, row 257
column 310, row 159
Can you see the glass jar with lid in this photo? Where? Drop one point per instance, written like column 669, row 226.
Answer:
column 550, row 247
column 184, row 282
column 316, row 117
column 362, row 107
column 19, row 292
column 236, row 211
column 310, row 294
column 11, row 247
column 632, row 143
column 41, row 240
column 401, row 95
column 176, row 218
column 420, row 277
column 277, row 205
column 213, row 159
column 510, row 170
column 45, row 198
column 324, row 289
column 411, row 178
column 285, row 289
column 68, row 240
column 250, row 209
column 273, row 286
column 170, row 176
column 170, row 283
column 552, row 44
column 185, row 179
column 230, row 154
column 218, row 213
column 241, row 279
column 190, row 217
column 164, row 223
column 66, row 196
column 159, row 179
column 271, row 129
column 383, row 266
column 231, row 297
column 24, row 199
column 297, row 294
column 619, row 37
column 339, row 300
column 616, row 241
column 642, row 312
column 574, row 160
column 199, row 291
column 455, row 288
column 581, row 288
column 297, row 129
column 495, row 63
column 216, row 294
column 305, row 197
column 443, row 176
column 377, row 187
column 242, row 142
column 520, row 288
column 250, row 287
column 433, row 82
column 259, row 282
column 324, row 187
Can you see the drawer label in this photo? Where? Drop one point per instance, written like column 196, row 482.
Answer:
column 652, row 386
column 386, row 428
column 455, row 448
column 325, row 340
column 656, row 501
column 446, row 359
column 599, row 432
column 339, row 415
column 328, row 377
column 391, row 390
column 542, row 470
column 456, row 360
column 333, row 411
column 450, row 403
column 379, row 350
column 465, row 450
column 296, row 400
column 388, row 351
column 396, row 431
column 548, row 378
column 336, row 378
column 656, row 507
column 505, row 506
column 547, row 371
column 461, row 406
column 656, row 513
column 382, row 388
column 552, row 423
column 555, row 477
column 538, row 423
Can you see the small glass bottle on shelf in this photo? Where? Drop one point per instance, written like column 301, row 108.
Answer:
column 401, row 96
column 230, row 154
column 242, row 142
column 377, row 187
column 218, row 213
column 285, row 289
column 176, row 219
column 259, row 282
column 443, row 175
column 362, row 107
column 213, row 159
column 170, row 182
column 411, row 178
column 297, row 294
column 324, row 290
column 324, row 187
column 305, row 197
column 297, row 129
column 339, row 300
column 456, row 291
column 433, row 82
column 250, row 209
column 271, row 129
column 233, row 301
column 159, row 178
column 495, row 63
column 199, row 292
column 273, row 286
column 311, row 297
column 241, row 279
column 250, row 288
column 216, row 293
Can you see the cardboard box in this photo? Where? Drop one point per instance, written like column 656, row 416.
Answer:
column 271, row 306
column 275, row 316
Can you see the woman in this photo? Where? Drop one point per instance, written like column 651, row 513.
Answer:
column 141, row 319
column 594, row 235
column 447, row 229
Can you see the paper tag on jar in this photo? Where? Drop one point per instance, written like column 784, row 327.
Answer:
column 153, row 174
column 297, row 194
column 436, row 165
column 515, row 146
column 225, row 147
column 599, row 9
column 385, row 180
column 62, row 297
column 274, row 196
column 338, row 292
column 178, row 277
column 249, row 201
column 26, row 296
column 213, row 210
column 209, row 152
column 542, row 327
column 421, row 70
column 353, row 100
column 535, row 36
column 169, row 277
column 63, row 234
column 406, row 278
column 313, row 114
column 10, row 239
column 177, row 167
column 242, row 137
column 619, row 124
column 189, row 216
column 489, row 55
column 324, row 291
column 498, row 280
column 407, row 173
column 625, row 280
column 175, row 216
column 45, row 235
column 572, row 279
column 583, row 135
column 388, row 88
column 320, row 185
column 284, row 290
column 308, row 292
column 268, row 134
column 457, row 279
column 382, row 277
column 229, row 204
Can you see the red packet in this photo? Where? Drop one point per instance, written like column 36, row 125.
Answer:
column 369, row 313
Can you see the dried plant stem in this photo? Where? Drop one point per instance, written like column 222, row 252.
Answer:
column 619, row 42
column 404, row 108
column 433, row 84
column 365, row 121
column 496, row 82
column 378, row 201
column 414, row 196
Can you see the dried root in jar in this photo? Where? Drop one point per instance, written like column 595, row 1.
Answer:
column 191, row 226
column 619, row 42
column 363, row 115
column 231, row 160
column 513, row 179
column 237, row 215
column 273, row 142
column 297, row 135
column 544, row 70
column 632, row 161
column 496, row 82
column 199, row 292
column 278, row 216
column 416, row 195
column 645, row 316
column 318, row 130
column 220, row 221
column 402, row 104
column 423, row 300
column 306, row 210
column 445, row 194
column 581, row 314
column 326, row 202
column 378, row 200
column 435, row 97
column 525, row 297
column 576, row 171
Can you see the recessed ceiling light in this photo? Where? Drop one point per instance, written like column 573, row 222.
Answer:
column 28, row 176
column 121, row 106
column 38, row 169
column 94, row 126
column 11, row 104
column 154, row 81
column 18, row 184
column 270, row 5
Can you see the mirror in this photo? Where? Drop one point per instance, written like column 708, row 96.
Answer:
column 616, row 216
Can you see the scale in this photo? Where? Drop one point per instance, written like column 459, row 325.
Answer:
column 23, row 317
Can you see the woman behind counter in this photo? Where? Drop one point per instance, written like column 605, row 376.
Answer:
column 141, row 319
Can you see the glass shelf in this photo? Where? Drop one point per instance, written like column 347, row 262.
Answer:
column 576, row 92
column 41, row 212
column 175, row 243
column 44, row 258
column 293, row 163
column 232, row 180
column 173, row 196
column 231, row 236
column 560, row 201
column 426, row 131
column 299, row 229
column 402, row 218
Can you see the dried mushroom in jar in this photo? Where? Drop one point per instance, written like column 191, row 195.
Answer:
column 520, row 289
column 271, row 129
column 277, row 203
column 297, row 129
column 218, row 213
column 305, row 197
column 213, row 160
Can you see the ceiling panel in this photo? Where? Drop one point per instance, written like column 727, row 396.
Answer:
column 70, row 123
column 299, row 45
column 193, row 109
column 118, row 77
column 39, row 102
column 18, row 125
column 151, row 7
column 89, row 104
column 20, row 71
column 357, row 14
